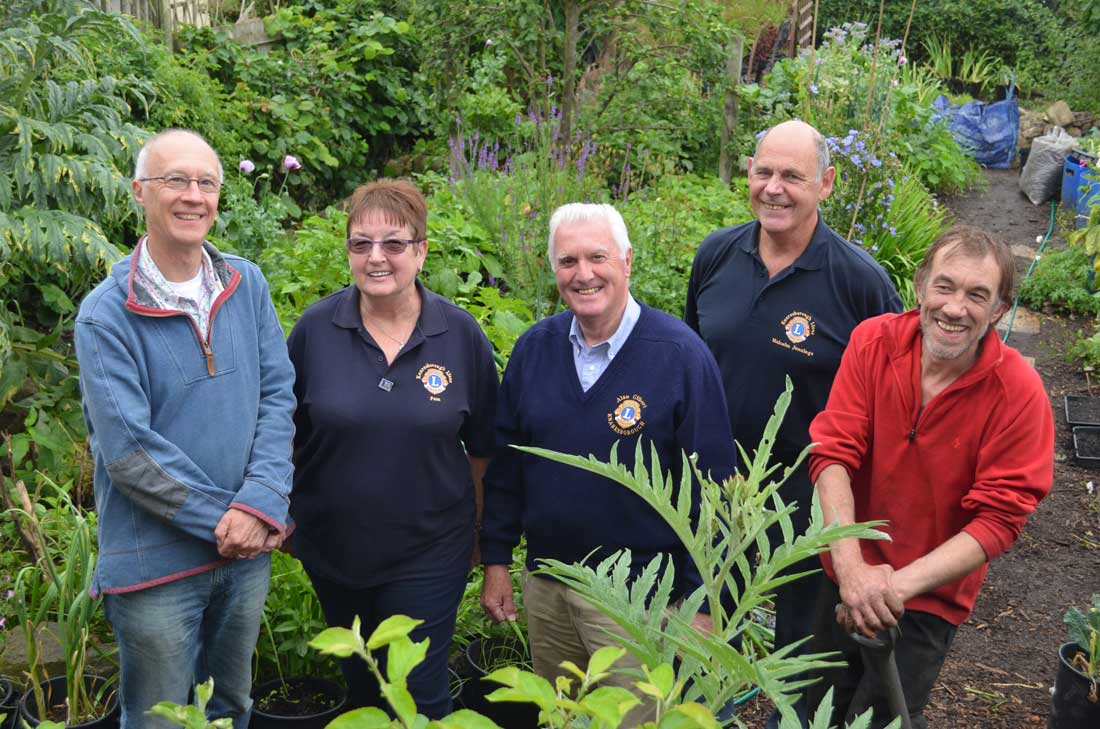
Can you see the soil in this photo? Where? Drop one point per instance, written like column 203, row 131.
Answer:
column 1001, row 668
column 296, row 699
column 1086, row 443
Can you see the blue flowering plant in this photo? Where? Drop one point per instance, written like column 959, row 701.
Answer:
column 876, row 205
column 512, row 188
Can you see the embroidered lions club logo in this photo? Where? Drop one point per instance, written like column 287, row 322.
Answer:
column 626, row 418
column 435, row 378
column 798, row 326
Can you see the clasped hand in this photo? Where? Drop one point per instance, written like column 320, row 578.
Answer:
column 870, row 602
column 241, row 535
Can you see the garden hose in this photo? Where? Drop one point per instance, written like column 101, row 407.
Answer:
column 1034, row 260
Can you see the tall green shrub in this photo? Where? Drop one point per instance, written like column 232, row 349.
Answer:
column 339, row 95
column 65, row 153
column 1026, row 35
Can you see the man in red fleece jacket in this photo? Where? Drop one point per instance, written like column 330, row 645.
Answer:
column 937, row 428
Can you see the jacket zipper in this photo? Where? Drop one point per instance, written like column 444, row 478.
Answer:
column 204, row 344
column 206, row 348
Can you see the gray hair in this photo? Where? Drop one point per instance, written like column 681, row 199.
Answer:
column 821, row 147
column 582, row 213
column 141, row 165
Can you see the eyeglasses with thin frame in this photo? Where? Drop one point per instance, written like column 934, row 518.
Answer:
column 207, row 185
column 392, row 246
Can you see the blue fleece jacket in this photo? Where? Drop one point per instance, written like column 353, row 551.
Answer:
column 181, row 428
column 662, row 387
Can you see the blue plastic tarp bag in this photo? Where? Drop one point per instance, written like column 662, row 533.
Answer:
column 986, row 132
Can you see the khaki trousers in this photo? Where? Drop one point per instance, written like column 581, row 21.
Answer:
column 562, row 626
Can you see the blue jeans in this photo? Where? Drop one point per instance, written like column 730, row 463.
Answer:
column 431, row 598
column 175, row 635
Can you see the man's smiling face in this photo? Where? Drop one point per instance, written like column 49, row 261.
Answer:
column 958, row 304
column 784, row 185
column 178, row 218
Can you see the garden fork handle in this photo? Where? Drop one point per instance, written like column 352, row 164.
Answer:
column 878, row 655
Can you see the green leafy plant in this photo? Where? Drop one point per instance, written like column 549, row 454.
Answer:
column 868, row 89
column 982, row 68
column 1087, row 349
column 667, row 221
column 292, row 616
column 57, row 589
column 307, row 265
column 337, row 95
column 1060, row 279
column 938, row 56
column 63, row 146
column 65, row 151
column 560, row 704
column 732, row 519
column 1084, row 630
column 1088, row 237
column 192, row 716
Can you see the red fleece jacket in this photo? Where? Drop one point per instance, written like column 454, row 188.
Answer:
column 978, row 458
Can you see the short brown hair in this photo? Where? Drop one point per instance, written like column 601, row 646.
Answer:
column 399, row 202
column 974, row 243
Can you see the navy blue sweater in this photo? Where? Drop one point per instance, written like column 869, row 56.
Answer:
column 663, row 387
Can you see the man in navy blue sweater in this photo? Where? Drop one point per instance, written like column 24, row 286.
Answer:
column 610, row 370
column 777, row 298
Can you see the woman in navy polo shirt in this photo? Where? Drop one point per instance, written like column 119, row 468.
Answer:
column 396, row 390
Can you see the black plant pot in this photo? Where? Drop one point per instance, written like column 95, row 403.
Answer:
column 303, row 706
column 9, row 702
column 508, row 714
column 55, row 695
column 1070, row 707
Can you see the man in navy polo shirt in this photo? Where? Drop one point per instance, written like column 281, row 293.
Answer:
column 610, row 370
column 776, row 297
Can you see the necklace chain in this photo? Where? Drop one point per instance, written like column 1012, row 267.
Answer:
column 389, row 336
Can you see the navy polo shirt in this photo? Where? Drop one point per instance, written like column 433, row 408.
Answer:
column 796, row 323
column 382, row 483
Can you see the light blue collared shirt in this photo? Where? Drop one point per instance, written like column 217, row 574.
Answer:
column 591, row 362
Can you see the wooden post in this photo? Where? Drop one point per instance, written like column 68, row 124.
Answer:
column 726, row 160
column 167, row 23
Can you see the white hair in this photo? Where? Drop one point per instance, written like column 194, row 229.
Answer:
column 582, row 213
column 142, row 163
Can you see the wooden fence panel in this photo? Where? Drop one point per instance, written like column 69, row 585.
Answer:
column 189, row 12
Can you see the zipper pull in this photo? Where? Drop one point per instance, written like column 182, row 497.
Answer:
column 206, row 350
column 912, row 433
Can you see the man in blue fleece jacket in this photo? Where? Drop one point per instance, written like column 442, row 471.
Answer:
column 188, row 397
column 610, row 370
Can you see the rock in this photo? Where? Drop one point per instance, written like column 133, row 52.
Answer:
column 13, row 661
column 1059, row 114
column 1085, row 121
column 1073, row 131
column 1032, row 124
